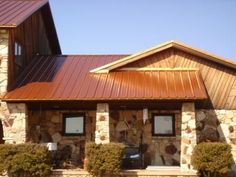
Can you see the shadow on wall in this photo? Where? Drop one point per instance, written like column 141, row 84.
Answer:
column 208, row 127
column 33, row 73
column 217, row 126
column 1, row 133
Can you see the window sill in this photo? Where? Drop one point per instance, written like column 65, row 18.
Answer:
column 165, row 137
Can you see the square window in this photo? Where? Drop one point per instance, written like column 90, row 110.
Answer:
column 163, row 125
column 73, row 124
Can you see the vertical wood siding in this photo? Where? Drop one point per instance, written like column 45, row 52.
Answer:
column 220, row 81
column 32, row 35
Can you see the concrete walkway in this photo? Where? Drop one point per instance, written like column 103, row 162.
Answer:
column 166, row 172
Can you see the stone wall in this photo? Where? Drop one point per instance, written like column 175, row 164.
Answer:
column 14, row 120
column 217, row 125
column 13, row 117
column 127, row 127
column 3, row 61
column 3, row 74
column 102, row 133
column 188, row 135
column 47, row 126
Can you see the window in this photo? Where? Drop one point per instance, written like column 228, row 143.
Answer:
column 18, row 60
column 73, row 124
column 163, row 125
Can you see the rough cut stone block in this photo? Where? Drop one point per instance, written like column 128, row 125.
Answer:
column 188, row 137
column 102, row 132
column 56, row 137
column 200, row 116
column 17, row 131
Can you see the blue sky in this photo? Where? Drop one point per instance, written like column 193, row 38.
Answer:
column 128, row 26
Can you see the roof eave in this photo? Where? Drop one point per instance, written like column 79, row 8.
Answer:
column 8, row 26
column 107, row 99
column 204, row 54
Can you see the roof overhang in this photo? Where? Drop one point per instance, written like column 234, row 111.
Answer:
column 16, row 17
column 67, row 78
column 14, row 12
column 178, row 45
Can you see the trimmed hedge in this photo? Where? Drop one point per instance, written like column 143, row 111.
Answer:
column 212, row 159
column 25, row 159
column 103, row 159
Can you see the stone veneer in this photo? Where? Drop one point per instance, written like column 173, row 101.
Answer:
column 102, row 133
column 50, row 124
column 12, row 116
column 127, row 127
column 206, row 125
column 3, row 61
column 14, row 120
column 47, row 126
column 217, row 125
column 3, row 70
column 188, row 135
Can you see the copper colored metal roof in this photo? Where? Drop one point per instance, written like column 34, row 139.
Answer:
column 13, row 12
column 68, row 78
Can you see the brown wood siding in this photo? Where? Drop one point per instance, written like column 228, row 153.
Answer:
column 32, row 35
column 220, row 81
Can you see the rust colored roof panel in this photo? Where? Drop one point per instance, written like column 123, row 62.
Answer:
column 13, row 12
column 68, row 78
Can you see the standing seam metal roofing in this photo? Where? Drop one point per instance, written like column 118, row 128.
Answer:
column 68, row 78
column 14, row 12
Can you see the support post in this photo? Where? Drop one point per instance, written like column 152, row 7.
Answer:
column 188, row 135
column 14, row 120
column 102, row 133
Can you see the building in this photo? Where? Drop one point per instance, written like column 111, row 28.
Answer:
column 164, row 99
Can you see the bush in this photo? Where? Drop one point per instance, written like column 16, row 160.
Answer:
column 30, row 159
column 103, row 159
column 212, row 159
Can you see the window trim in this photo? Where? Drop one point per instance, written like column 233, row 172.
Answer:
column 68, row 115
column 173, row 125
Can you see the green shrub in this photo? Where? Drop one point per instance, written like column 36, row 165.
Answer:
column 103, row 159
column 212, row 159
column 31, row 159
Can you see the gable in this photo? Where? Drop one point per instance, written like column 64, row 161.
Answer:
column 171, row 58
column 163, row 59
column 219, row 74
column 219, row 80
column 162, row 47
column 14, row 13
column 35, row 37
